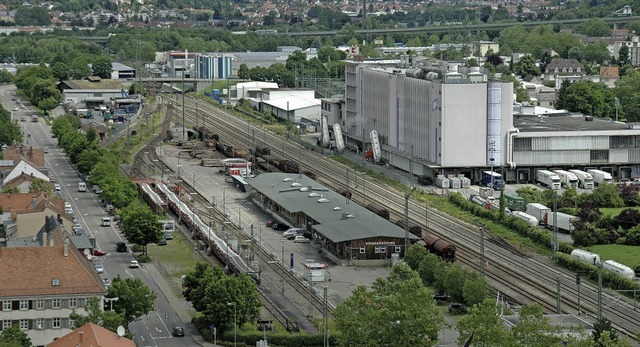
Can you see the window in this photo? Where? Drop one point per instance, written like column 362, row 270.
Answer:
column 6, row 305
column 40, row 323
column 624, row 141
column 398, row 249
column 24, row 324
column 24, row 304
column 55, row 303
column 72, row 323
column 522, row 144
column 363, row 250
column 6, row 324
column 55, row 323
column 380, row 249
column 40, row 304
column 599, row 156
column 73, row 303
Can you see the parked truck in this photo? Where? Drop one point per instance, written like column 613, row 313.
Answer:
column 540, row 211
column 565, row 221
column 585, row 180
column 514, row 202
column 600, row 176
column 567, row 179
column 493, row 180
column 549, row 179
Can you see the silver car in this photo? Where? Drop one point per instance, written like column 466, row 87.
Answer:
column 99, row 268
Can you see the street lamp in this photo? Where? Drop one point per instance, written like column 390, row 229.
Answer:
column 110, row 301
column 226, row 238
column 235, row 323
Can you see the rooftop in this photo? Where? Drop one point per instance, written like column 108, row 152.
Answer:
column 91, row 335
column 579, row 123
column 360, row 223
column 86, row 84
column 291, row 103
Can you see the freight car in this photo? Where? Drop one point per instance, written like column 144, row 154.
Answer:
column 443, row 248
column 379, row 210
column 413, row 228
column 158, row 205
column 345, row 193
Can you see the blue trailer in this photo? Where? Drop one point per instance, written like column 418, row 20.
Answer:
column 492, row 180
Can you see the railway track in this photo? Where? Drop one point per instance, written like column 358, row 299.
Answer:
column 540, row 278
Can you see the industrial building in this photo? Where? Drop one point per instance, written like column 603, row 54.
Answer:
column 346, row 232
column 445, row 119
column 213, row 66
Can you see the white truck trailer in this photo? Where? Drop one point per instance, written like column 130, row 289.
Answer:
column 584, row 178
column 549, row 179
column 539, row 211
column 565, row 221
column 600, row 176
column 567, row 179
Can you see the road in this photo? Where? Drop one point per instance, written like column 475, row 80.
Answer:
column 156, row 328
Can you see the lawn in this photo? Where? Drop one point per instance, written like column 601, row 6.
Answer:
column 614, row 211
column 627, row 255
column 177, row 257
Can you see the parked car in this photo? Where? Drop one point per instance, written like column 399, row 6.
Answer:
column 46, row 149
column 178, row 332
column 168, row 236
column 440, row 297
column 15, row 108
column 162, row 242
column 457, row 308
column 279, row 226
column 57, row 187
column 98, row 253
column 134, row 264
column 290, row 233
column 301, row 239
column 270, row 223
column 121, row 247
column 99, row 267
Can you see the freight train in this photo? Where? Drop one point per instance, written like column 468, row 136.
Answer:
column 222, row 251
column 443, row 248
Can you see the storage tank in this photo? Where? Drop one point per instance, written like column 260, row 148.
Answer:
column 478, row 200
column 326, row 140
column 337, row 132
column 586, row 256
column 531, row 220
column 620, row 269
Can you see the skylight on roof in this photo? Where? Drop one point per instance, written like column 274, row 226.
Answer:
column 296, row 184
column 55, row 282
column 323, row 200
column 337, row 208
column 287, row 179
column 313, row 195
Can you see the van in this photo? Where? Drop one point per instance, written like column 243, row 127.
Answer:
column 82, row 187
column 106, row 221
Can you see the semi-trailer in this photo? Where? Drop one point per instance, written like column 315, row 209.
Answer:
column 549, row 179
column 493, row 180
column 567, row 179
column 600, row 177
column 540, row 211
column 564, row 221
column 584, row 178
column 515, row 202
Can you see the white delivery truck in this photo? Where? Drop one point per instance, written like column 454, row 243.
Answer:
column 584, row 178
column 539, row 211
column 565, row 221
column 568, row 179
column 600, row 176
column 549, row 179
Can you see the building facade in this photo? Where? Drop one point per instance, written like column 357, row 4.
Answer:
column 213, row 66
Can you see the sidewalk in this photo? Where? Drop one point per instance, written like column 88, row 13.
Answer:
column 176, row 303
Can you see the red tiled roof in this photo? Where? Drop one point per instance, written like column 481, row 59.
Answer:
column 91, row 335
column 32, row 269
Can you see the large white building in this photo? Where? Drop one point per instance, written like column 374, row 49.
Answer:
column 443, row 120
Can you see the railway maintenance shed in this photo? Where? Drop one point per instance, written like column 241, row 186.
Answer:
column 347, row 232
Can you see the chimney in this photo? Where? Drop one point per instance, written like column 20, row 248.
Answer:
column 59, row 218
column 34, row 203
column 81, row 336
column 66, row 247
column 45, row 237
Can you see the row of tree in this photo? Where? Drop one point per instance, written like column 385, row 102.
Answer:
column 10, row 132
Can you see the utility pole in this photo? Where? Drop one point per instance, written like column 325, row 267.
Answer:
column 406, row 221
column 600, row 291
column 555, row 226
column 184, row 70
column 558, row 297
column 325, row 318
column 482, row 251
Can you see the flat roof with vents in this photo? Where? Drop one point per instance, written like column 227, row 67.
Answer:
column 337, row 220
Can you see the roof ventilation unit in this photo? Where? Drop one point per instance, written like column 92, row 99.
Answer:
column 304, row 189
column 287, row 179
column 337, row 208
column 323, row 200
column 296, row 184
column 313, row 195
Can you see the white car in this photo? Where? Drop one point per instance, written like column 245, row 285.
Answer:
column 56, row 186
column 134, row 264
column 15, row 108
column 99, row 268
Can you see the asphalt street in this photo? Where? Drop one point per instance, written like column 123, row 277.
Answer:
column 154, row 329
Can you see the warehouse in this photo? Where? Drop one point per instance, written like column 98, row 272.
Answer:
column 441, row 118
column 348, row 233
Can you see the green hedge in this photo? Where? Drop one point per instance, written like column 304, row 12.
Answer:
column 609, row 279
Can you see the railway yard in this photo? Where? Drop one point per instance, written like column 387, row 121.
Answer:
column 213, row 209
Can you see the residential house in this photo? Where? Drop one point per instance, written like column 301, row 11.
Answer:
column 563, row 67
column 91, row 335
column 480, row 48
column 102, row 131
column 609, row 75
column 46, row 285
column 23, row 168
column 34, row 156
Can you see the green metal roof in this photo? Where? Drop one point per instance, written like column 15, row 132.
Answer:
column 338, row 220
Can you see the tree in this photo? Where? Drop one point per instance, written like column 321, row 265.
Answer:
column 6, row 76
column 623, row 55
column 210, row 291
column 629, row 194
column 594, row 27
column 414, row 255
column 243, row 72
column 474, row 289
column 61, row 71
column 521, row 93
column 135, row 299
column 533, row 328
column 526, row 66
column 605, row 195
column 14, row 336
column 32, row 16
column 102, row 67
column 604, row 325
column 485, row 324
column 140, row 224
column 397, row 311
column 589, row 98
column 9, row 130
column 627, row 92
column 87, row 160
column 429, row 267
column 109, row 320
column 627, row 219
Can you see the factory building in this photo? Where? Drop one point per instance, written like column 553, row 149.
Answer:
column 445, row 119
column 213, row 66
